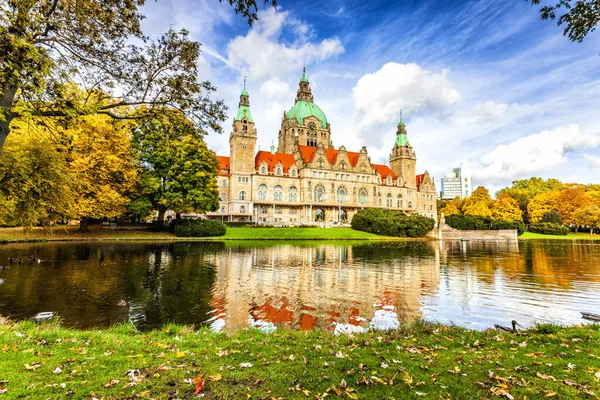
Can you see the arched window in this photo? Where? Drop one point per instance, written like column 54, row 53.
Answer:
column 319, row 193
column 224, row 183
column 363, row 196
column 343, row 166
column 278, row 171
column 399, row 201
column 263, row 170
column 341, row 195
column 389, row 201
column 278, row 194
column 319, row 215
column 277, row 210
column 262, row 192
column 242, row 209
column 292, row 171
column 293, row 194
column 410, row 204
column 262, row 209
column 343, row 218
column 431, row 207
column 242, row 195
column 223, row 210
column 223, row 196
column 244, row 126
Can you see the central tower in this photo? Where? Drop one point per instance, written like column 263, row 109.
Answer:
column 403, row 159
column 305, row 122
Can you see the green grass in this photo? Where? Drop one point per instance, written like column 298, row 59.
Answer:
column 570, row 236
column 299, row 233
column 71, row 233
column 429, row 361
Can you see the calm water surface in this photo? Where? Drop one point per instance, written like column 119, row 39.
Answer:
column 229, row 286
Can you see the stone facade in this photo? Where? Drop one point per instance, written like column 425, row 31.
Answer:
column 307, row 180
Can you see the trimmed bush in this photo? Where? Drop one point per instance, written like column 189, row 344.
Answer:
column 477, row 223
column 553, row 217
column 548, row 228
column 200, row 228
column 391, row 223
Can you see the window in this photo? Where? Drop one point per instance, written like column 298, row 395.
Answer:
column 223, row 210
column 389, row 201
column 399, row 201
column 293, row 194
column 320, row 163
column 431, row 207
column 244, row 126
column 319, row 215
column 278, row 171
column 363, row 196
column 343, row 166
column 263, row 170
column 223, row 196
column 292, row 171
column 242, row 209
column 224, row 183
column 278, row 195
column 378, row 202
column 319, row 193
column 262, row 209
column 262, row 192
column 293, row 211
column 341, row 195
column 277, row 210
column 343, row 217
column 410, row 204
column 242, row 195
column 243, row 179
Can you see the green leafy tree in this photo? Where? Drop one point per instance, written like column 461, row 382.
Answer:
column 580, row 17
column 552, row 217
column 45, row 44
column 178, row 170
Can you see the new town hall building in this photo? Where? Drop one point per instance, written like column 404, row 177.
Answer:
column 306, row 180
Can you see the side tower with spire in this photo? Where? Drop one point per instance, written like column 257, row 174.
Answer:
column 403, row 159
column 305, row 122
column 242, row 149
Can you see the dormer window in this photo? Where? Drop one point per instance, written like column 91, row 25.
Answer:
column 292, row 171
column 278, row 171
column 263, row 170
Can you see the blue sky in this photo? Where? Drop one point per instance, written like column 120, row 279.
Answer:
column 485, row 84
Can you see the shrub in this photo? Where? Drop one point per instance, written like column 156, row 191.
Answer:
column 553, row 217
column 479, row 223
column 548, row 228
column 391, row 223
column 200, row 228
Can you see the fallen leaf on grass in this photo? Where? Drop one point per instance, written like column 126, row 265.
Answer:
column 246, row 365
column 546, row 377
column 551, row 394
column 163, row 367
column 180, row 354
column 3, row 390
column 199, row 381
column 215, row 378
column 569, row 382
column 57, row 370
column 34, row 366
column 111, row 383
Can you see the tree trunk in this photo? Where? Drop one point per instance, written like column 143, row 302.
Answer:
column 161, row 215
column 6, row 102
column 83, row 224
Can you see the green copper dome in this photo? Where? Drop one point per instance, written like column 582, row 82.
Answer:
column 243, row 111
column 402, row 140
column 303, row 109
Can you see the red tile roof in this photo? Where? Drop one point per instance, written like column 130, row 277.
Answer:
column 420, row 179
column 286, row 160
column 384, row 171
column 223, row 165
column 308, row 154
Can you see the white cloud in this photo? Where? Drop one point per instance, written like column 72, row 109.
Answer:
column 382, row 94
column 532, row 154
column 591, row 160
column 263, row 53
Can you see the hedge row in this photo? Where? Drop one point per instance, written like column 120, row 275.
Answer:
column 477, row 223
column 200, row 228
column 549, row 228
column 391, row 223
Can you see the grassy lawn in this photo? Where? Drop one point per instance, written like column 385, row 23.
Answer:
column 71, row 233
column 299, row 233
column 570, row 236
column 428, row 361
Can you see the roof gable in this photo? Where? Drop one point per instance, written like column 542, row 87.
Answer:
column 272, row 159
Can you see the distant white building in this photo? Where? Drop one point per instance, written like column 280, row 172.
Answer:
column 456, row 185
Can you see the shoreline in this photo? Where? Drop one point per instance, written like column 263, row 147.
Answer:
column 418, row 360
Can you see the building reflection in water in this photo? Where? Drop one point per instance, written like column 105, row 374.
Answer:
column 341, row 288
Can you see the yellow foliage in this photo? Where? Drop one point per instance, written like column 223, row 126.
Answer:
column 541, row 204
column 506, row 208
column 450, row 209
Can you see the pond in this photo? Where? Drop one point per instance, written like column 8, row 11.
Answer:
column 299, row 285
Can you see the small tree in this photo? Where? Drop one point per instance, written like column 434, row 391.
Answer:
column 552, row 217
column 588, row 215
